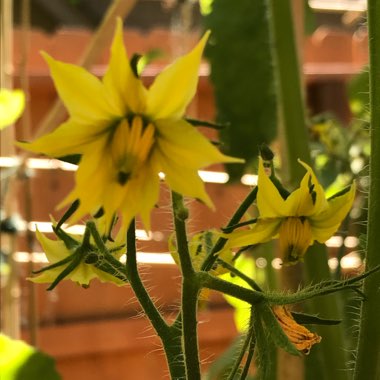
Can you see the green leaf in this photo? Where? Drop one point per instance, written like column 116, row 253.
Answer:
column 19, row 361
column 243, row 78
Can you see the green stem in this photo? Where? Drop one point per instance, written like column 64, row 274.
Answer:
column 138, row 287
column 170, row 339
column 248, row 295
column 334, row 355
column 211, row 258
column 190, row 290
column 296, row 145
column 180, row 216
column 368, row 353
column 289, row 87
column 252, row 283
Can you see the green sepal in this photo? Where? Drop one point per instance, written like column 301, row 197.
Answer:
column 308, row 319
column 208, row 124
column 264, row 347
column 114, row 268
column 55, row 265
column 134, row 64
column 231, row 228
column 70, row 211
column 281, row 189
column 68, row 240
column 274, row 329
column 340, row 193
column 74, row 263
column 71, row 158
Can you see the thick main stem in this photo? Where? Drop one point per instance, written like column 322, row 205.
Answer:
column 295, row 137
column 368, row 353
column 190, row 290
column 170, row 339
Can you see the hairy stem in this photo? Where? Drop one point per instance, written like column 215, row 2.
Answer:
column 173, row 351
column 368, row 353
column 235, row 219
column 190, row 291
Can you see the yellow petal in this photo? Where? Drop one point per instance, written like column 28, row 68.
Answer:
column 70, row 137
column 174, row 87
column 82, row 93
column 181, row 179
column 124, row 89
column 269, row 201
column 325, row 224
column 82, row 274
column 12, row 104
column 141, row 196
column 46, row 277
column 262, row 231
column 310, row 198
column 181, row 141
column 55, row 250
column 93, row 173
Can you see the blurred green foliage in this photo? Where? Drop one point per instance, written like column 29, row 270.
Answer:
column 242, row 74
column 19, row 361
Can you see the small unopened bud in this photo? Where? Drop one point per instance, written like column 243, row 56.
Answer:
column 265, row 152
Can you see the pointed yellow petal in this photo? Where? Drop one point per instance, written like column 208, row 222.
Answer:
column 46, row 277
column 175, row 86
column 310, row 198
column 182, row 142
column 124, row 89
column 93, row 173
column 181, row 179
column 325, row 224
column 70, row 137
column 82, row 93
column 141, row 196
column 82, row 274
column 55, row 250
column 269, row 201
column 262, row 231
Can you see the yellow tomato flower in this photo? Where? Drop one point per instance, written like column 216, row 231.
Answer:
column 300, row 219
column 81, row 262
column 128, row 134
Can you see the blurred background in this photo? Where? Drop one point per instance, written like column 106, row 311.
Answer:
column 99, row 333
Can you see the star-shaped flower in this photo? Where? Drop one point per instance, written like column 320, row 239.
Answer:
column 80, row 258
column 127, row 134
column 298, row 219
